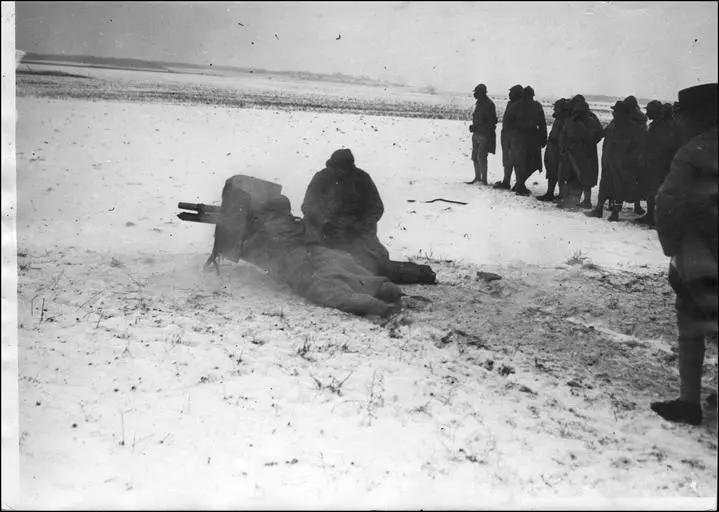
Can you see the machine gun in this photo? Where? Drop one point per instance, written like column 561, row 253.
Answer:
column 207, row 213
column 240, row 195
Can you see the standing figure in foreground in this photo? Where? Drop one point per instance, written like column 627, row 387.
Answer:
column 663, row 141
column 484, row 137
column 686, row 219
column 341, row 209
column 579, row 163
column 515, row 94
column 528, row 136
column 551, row 153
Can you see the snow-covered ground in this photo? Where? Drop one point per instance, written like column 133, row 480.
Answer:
column 145, row 382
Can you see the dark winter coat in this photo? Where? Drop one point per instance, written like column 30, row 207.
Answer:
column 341, row 209
column 527, row 128
column 551, row 152
column 341, row 203
column 484, row 122
column 578, row 143
column 663, row 141
column 622, row 160
column 505, row 137
column 686, row 217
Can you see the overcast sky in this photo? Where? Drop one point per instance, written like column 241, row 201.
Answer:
column 618, row 48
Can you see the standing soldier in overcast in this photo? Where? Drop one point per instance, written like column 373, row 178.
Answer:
column 515, row 94
column 528, row 135
column 622, row 162
column 686, row 219
column 640, row 118
column 551, row 153
column 662, row 143
column 484, row 138
column 579, row 163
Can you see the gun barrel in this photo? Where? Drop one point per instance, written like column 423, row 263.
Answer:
column 199, row 207
column 206, row 217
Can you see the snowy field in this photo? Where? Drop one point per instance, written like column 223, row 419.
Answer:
column 146, row 382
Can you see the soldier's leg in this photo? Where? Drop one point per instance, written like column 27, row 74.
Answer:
column 521, row 174
column 483, row 168
column 616, row 207
column 561, row 177
column 650, row 210
column 551, row 185
column 389, row 292
column 587, row 201
column 506, row 163
column 338, row 294
column 638, row 208
column 572, row 191
column 482, row 154
column 648, row 219
column 475, row 160
column 406, row 272
column 505, row 184
column 691, row 321
column 477, row 171
column 366, row 250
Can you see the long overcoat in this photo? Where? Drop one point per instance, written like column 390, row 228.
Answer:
column 578, row 142
column 527, row 135
column 686, row 220
column 663, row 141
column 622, row 160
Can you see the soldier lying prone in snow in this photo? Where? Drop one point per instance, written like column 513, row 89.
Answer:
column 255, row 224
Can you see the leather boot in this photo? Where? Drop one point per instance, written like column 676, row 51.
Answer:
column 549, row 196
column 679, row 411
column 597, row 212
column 521, row 190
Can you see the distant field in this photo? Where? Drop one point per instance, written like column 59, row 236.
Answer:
column 238, row 92
column 248, row 91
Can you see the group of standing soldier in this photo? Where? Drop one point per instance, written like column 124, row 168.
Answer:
column 671, row 164
column 635, row 157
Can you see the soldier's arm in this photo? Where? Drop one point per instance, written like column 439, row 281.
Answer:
column 671, row 203
column 597, row 129
column 314, row 204
column 510, row 116
column 375, row 207
column 493, row 116
column 542, row 125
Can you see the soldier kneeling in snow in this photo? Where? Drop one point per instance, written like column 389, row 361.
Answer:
column 341, row 209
